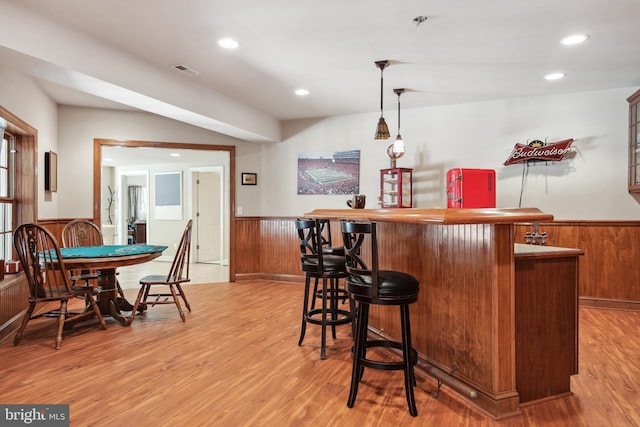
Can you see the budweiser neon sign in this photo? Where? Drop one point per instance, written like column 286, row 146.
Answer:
column 538, row 150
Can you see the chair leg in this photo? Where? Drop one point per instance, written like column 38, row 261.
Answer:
column 184, row 297
column 147, row 291
column 305, row 307
column 96, row 309
column 177, row 302
column 139, row 298
column 409, row 374
column 25, row 320
column 63, row 315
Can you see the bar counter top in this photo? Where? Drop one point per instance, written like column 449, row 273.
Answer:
column 439, row 216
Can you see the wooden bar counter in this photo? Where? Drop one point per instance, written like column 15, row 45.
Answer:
column 464, row 323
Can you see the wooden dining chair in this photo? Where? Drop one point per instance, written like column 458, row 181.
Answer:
column 81, row 232
column 178, row 274
column 48, row 278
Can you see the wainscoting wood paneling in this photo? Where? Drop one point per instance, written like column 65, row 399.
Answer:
column 14, row 299
column 267, row 249
column 610, row 268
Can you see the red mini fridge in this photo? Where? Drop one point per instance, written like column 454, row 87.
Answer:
column 471, row 188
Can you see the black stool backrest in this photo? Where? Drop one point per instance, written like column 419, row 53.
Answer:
column 361, row 245
column 324, row 232
column 310, row 245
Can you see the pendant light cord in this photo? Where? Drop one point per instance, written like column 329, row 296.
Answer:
column 399, row 112
column 381, row 89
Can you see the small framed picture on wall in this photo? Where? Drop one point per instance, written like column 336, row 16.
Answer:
column 249, row 178
column 51, row 171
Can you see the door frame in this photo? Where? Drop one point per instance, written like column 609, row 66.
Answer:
column 98, row 143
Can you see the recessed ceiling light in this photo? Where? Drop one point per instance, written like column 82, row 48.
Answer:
column 574, row 39
column 228, row 43
column 554, row 76
column 302, row 92
column 175, row 154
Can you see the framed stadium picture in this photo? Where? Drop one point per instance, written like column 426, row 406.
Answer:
column 336, row 172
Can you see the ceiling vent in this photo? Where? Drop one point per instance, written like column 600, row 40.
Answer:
column 185, row 69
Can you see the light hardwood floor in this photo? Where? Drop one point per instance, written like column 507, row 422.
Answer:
column 236, row 362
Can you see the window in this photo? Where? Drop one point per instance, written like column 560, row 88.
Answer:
column 18, row 174
column 7, row 200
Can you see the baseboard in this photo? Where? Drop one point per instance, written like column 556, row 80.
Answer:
column 243, row 277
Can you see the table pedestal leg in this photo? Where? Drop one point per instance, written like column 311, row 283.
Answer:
column 108, row 300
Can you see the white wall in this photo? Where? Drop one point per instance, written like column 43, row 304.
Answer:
column 79, row 127
column 24, row 98
column 590, row 185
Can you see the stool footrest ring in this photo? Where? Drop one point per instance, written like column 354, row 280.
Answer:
column 346, row 317
column 387, row 366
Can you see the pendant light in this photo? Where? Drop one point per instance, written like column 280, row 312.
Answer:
column 382, row 131
column 398, row 145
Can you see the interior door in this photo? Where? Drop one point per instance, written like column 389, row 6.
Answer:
column 208, row 216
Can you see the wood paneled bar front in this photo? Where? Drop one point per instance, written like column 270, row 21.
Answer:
column 464, row 323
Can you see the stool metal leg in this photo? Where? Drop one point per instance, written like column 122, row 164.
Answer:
column 359, row 351
column 352, row 310
column 409, row 374
column 324, row 319
column 334, row 305
column 365, row 336
column 305, row 307
column 315, row 294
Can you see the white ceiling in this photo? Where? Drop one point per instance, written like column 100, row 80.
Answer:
column 466, row 51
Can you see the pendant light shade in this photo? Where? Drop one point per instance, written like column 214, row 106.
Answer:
column 398, row 145
column 382, row 131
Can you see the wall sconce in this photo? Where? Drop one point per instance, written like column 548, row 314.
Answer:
column 398, row 145
column 382, row 131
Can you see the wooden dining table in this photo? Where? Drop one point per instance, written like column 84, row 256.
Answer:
column 105, row 259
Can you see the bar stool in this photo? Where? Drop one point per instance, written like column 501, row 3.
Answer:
column 369, row 285
column 330, row 268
